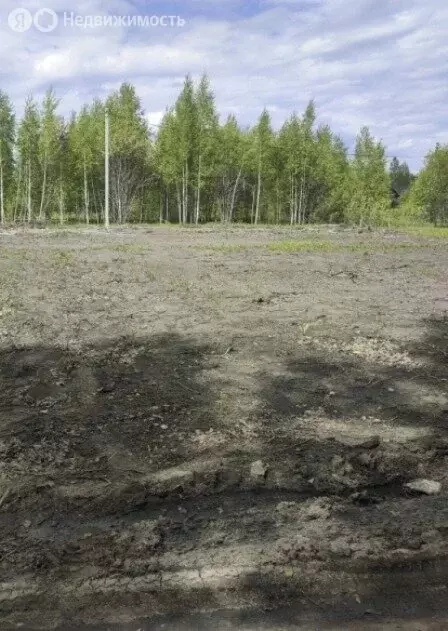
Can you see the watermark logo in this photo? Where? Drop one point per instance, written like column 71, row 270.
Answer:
column 46, row 20
column 20, row 20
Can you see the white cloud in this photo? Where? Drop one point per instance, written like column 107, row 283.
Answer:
column 383, row 64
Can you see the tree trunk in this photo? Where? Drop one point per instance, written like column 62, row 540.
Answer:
column 253, row 206
column 198, row 194
column 61, row 204
column 232, row 203
column 277, row 212
column 19, row 187
column 86, row 195
column 302, row 194
column 120, row 210
column 2, row 195
column 179, row 200
column 257, row 208
column 44, row 190
column 186, row 193
column 291, row 200
column 29, row 193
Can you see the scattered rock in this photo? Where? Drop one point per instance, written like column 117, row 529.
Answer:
column 317, row 510
column 285, row 507
column 367, row 459
column 258, row 470
column 341, row 466
column 371, row 443
column 109, row 386
column 426, row 487
column 415, row 543
column 340, row 548
column 363, row 498
column 430, row 536
column 337, row 462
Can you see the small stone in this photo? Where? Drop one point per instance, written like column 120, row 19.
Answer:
column 363, row 498
column 340, row 548
column 415, row 543
column 371, row 443
column 164, row 427
column 258, row 470
column 364, row 459
column 317, row 511
column 426, row 487
column 285, row 507
column 430, row 536
column 108, row 387
column 26, row 523
column 337, row 462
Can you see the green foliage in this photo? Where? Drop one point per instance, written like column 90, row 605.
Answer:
column 49, row 151
column 28, row 176
column 400, row 176
column 369, row 182
column 130, row 153
column 429, row 193
column 7, row 132
column 195, row 169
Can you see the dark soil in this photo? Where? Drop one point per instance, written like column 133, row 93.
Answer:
column 200, row 432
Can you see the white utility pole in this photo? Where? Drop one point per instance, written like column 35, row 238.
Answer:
column 106, row 169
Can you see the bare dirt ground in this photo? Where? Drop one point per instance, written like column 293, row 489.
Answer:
column 213, row 428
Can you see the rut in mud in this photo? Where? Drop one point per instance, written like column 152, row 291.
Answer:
column 192, row 423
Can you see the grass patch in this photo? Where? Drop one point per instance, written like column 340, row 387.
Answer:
column 289, row 246
column 131, row 248
column 62, row 257
column 427, row 231
column 381, row 247
column 431, row 272
column 225, row 248
column 123, row 248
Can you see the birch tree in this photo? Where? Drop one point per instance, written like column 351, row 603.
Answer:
column 186, row 127
column 429, row 193
column 369, row 181
column 49, row 150
column 130, row 149
column 7, row 137
column 262, row 153
column 230, row 173
column 207, row 129
column 28, row 163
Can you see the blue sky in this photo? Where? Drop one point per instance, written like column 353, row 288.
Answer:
column 381, row 63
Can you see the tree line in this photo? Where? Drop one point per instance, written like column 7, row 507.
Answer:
column 193, row 168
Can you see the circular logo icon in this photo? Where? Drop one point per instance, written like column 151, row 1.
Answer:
column 46, row 20
column 20, row 20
